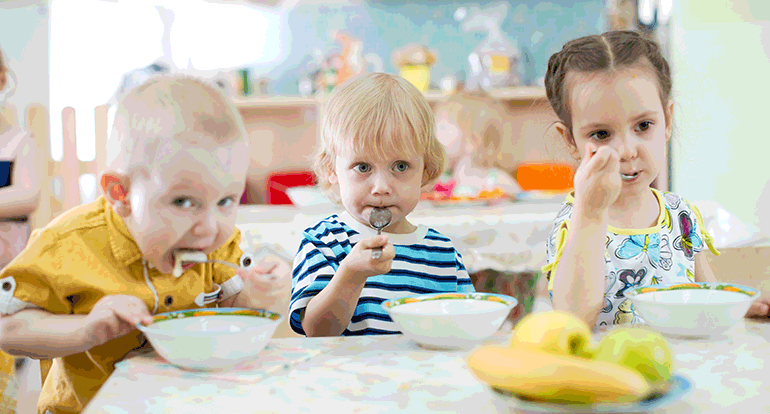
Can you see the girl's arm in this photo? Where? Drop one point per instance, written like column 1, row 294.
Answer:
column 329, row 312
column 704, row 273
column 22, row 196
column 579, row 277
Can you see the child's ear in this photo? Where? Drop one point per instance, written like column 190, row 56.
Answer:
column 566, row 136
column 333, row 178
column 115, row 187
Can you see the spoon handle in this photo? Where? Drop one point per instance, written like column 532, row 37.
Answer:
column 377, row 251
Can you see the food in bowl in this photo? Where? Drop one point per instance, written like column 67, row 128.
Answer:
column 211, row 339
column 449, row 320
column 692, row 309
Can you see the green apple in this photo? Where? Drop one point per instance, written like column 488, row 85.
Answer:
column 556, row 332
column 640, row 349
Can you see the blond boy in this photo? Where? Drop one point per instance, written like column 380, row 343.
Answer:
column 378, row 149
column 177, row 160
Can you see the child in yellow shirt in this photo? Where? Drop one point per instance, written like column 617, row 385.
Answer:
column 177, row 159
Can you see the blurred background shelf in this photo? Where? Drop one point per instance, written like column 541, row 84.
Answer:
column 521, row 93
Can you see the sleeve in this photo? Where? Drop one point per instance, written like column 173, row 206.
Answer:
column 36, row 278
column 555, row 243
column 230, row 283
column 699, row 227
column 464, row 282
column 313, row 269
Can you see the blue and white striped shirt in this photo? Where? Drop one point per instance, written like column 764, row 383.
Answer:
column 426, row 262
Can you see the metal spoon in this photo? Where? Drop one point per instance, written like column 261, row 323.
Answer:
column 379, row 219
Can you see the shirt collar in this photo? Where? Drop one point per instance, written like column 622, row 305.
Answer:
column 123, row 246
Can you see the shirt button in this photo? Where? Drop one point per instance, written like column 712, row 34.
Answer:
column 169, row 300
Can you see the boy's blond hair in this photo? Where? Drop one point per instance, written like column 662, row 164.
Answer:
column 477, row 112
column 184, row 109
column 379, row 114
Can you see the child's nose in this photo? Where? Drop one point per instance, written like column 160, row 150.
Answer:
column 381, row 184
column 627, row 147
column 207, row 225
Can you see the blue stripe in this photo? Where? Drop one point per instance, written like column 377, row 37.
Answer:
column 325, row 255
column 426, row 262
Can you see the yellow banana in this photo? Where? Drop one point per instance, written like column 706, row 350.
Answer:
column 556, row 378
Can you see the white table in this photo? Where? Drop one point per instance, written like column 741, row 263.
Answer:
column 392, row 374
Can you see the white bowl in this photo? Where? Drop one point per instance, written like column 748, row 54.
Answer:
column 692, row 309
column 211, row 339
column 304, row 196
column 449, row 320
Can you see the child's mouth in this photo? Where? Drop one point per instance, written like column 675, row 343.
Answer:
column 629, row 177
column 184, row 259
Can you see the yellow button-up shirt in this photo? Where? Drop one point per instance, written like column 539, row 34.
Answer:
column 83, row 255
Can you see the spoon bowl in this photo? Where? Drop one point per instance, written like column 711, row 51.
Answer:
column 379, row 219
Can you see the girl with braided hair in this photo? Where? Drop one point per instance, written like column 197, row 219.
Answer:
column 612, row 94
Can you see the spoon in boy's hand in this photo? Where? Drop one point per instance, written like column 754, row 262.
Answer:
column 379, row 219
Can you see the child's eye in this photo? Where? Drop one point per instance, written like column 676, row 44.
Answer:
column 600, row 135
column 643, row 126
column 183, row 202
column 401, row 166
column 226, row 202
column 362, row 167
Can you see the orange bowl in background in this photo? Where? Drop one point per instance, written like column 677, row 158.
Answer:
column 557, row 177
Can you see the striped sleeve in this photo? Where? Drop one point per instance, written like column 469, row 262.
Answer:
column 464, row 283
column 314, row 265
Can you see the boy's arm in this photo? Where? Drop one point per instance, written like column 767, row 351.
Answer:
column 329, row 312
column 36, row 333
column 39, row 334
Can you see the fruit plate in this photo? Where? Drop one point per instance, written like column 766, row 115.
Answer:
column 680, row 386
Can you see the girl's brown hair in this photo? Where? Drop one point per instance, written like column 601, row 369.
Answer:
column 607, row 52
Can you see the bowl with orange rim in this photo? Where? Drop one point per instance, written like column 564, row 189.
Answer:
column 211, row 339
column 692, row 309
column 449, row 320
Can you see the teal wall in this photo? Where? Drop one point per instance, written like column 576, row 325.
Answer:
column 539, row 27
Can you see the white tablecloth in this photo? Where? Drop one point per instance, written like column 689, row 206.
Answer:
column 504, row 237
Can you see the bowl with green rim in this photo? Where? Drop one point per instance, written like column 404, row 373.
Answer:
column 692, row 309
column 213, row 339
column 449, row 320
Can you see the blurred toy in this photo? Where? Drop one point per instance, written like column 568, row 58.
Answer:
column 496, row 61
column 470, row 126
column 336, row 68
column 414, row 62
column 621, row 14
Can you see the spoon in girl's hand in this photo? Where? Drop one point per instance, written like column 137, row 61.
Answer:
column 379, row 219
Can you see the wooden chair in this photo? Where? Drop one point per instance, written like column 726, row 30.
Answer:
column 61, row 188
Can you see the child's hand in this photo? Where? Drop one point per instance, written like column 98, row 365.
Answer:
column 114, row 316
column 262, row 286
column 597, row 179
column 360, row 263
column 760, row 308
